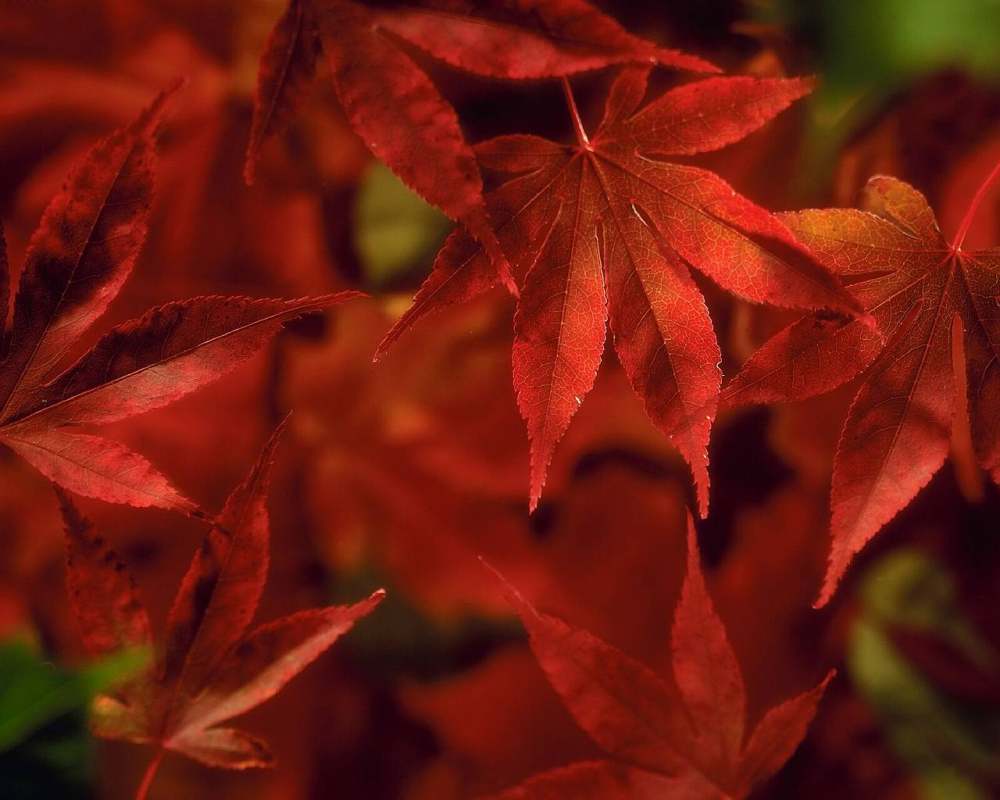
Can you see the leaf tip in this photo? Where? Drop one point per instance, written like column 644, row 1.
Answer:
column 150, row 119
column 382, row 349
column 250, row 169
column 807, row 84
column 540, row 459
column 836, row 568
column 678, row 59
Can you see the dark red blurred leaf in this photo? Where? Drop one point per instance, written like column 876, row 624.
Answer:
column 595, row 780
column 78, row 260
column 287, row 67
column 209, row 668
column 692, row 740
column 103, row 594
column 526, row 38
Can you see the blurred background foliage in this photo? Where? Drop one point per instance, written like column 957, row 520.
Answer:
column 867, row 52
column 906, row 86
column 45, row 750
column 952, row 746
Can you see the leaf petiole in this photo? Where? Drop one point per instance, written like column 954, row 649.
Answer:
column 150, row 773
column 963, row 229
column 581, row 133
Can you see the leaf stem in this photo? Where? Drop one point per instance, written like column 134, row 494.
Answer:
column 581, row 133
column 963, row 453
column 147, row 778
column 970, row 214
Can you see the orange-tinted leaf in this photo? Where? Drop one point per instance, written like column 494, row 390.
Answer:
column 914, row 284
column 225, row 747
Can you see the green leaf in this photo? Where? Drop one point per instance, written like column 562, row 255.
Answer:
column 33, row 692
column 395, row 231
column 951, row 748
column 911, row 590
column 868, row 50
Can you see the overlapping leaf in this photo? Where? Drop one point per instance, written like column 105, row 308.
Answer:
column 686, row 739
column 499, row 39
column 396, row 109
column 936, row 309
column 526, row 38
column 79, row 257
column 604, row 232
column 209, row 668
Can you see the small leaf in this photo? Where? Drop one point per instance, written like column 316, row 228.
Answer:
column 210, row 669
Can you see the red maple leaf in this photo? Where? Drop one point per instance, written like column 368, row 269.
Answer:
column 79, row 257
column 208, row 668
column 396, row 109
column 936, row 307
column 603, row 232
column 524, row 39
column 687, row 739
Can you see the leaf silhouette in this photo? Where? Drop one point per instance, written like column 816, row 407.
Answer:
column 79, row 257
column 935, row 306
column 603, row 232
column 663, row 740
column 209, row 668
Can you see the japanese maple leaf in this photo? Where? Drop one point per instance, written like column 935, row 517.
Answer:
column 603, row 232
column 688, row 741
column 936, row 308
column 396, row 109
column 78, row 259
column 519, row 39
column 208, row 668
